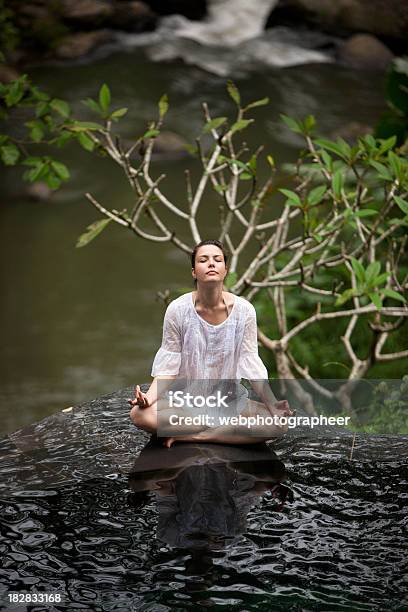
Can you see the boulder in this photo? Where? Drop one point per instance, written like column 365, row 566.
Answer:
column 133, row 16
column 8, row 74
column 80, row 44
column 366, row 52
column 88, row 12
column 38, row 192
column 383, row 18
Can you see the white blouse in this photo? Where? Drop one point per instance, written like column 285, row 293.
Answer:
column 195, row 349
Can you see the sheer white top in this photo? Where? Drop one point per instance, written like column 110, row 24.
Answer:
column 193, row 348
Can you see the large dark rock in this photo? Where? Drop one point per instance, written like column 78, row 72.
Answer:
column 365, row 51
column 387, row 19
column 88, row 12
column 133, row 16
column 81, row 43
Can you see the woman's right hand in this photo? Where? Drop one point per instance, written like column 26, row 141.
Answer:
column 140, row 399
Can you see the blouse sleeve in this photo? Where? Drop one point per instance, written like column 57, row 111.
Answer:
column 250, row 365
column 168, row 358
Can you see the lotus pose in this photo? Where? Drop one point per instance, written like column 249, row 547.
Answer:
column 211, row 334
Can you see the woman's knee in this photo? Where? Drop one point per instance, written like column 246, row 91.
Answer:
column 144, row 418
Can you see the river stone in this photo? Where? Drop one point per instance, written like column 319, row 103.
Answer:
column 8, row 74
column 82, row 43
column 365, row 51
column 39, row 192
column 133, row 16
column 87, row 11
column 384, row 18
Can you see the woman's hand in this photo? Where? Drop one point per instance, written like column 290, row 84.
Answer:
column 141, row 399
column 280, row 409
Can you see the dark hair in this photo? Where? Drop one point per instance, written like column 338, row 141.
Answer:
column 216, row 243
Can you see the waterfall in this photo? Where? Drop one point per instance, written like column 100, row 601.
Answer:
column 232, row 40
column 229, row 22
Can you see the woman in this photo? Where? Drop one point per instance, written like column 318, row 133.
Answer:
column 211, row 334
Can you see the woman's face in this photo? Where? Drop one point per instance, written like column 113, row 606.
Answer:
column 209, row 265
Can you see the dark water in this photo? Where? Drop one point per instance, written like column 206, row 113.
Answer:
column 94, row 513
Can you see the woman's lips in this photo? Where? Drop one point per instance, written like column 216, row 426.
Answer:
column 212, row 272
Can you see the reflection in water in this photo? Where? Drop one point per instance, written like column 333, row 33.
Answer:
column 204, row 492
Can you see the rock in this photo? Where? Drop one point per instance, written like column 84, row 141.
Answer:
column 133, row 16
column 170, row 144
column 39, row 192
column 92, row 12
column 8, row 74
column 383, row 18
column 365, row 51
column 78, row 45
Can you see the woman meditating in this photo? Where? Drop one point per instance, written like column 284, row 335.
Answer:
column 210, row 334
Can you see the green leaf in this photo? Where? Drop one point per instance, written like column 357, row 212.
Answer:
column 395, row 163
column 38, row 172
column 245, row 176
column 92, row 105
column 104, row 97
column 15, row 92
column 61, row 107
column 381, row 278
column 62, row 139
column 234, row 93
column 345, row 297
column 316, row 195
column 230, row 279
column 257, row 103
column 9, row 154
column 330, row 146
column 120, row 112
column 387, row 144
column 42, row 108
column 86, row 142
column 403, row 204
column 372, row 271
column 366, row 212
column 83, row 126
column 327, row 160
column 60, row 169
column 382, row 170
column 92, row 231
column 309, row 123
column 53, row 181
column 214, row 124
column 292, row 124
column 358, row 270
column 163, row 105
column 36, row 130
column 291, row 196
column 337, row 183
column 270, row 161
column 376, row 300
column 240, row 125
column 151, row 134
column 393, row 294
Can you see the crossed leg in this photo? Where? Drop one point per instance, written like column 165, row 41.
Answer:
column 146, row 419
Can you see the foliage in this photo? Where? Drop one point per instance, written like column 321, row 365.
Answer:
column 395, row 120
column 388, row 410
column 9, row 34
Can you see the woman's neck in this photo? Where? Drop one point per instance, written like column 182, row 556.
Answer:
column 209, row 297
